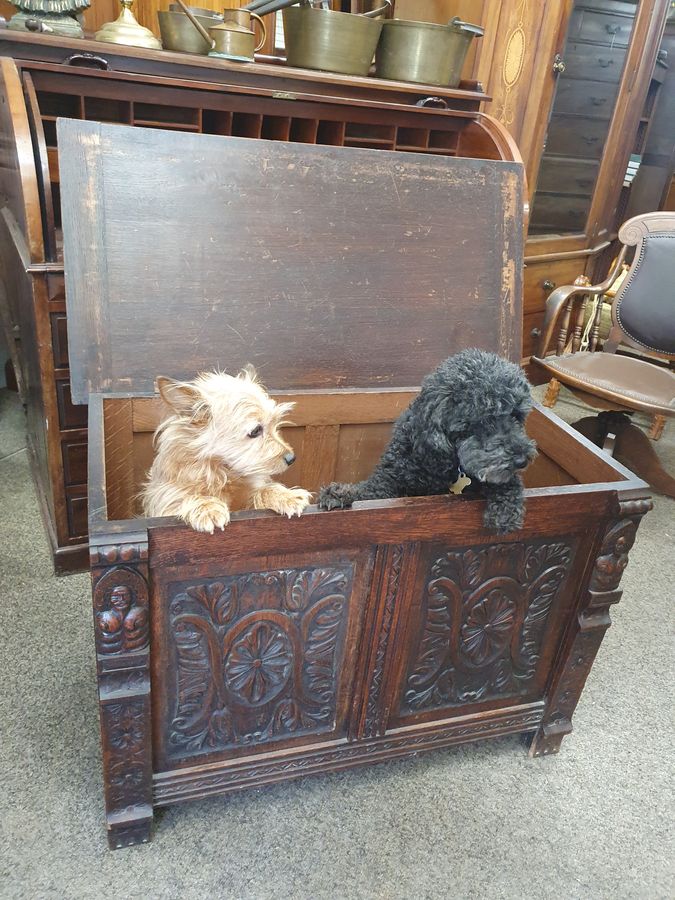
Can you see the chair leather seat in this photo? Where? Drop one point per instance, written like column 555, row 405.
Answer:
column 632, row 382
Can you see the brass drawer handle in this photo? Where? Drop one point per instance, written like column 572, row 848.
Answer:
column 548, row 285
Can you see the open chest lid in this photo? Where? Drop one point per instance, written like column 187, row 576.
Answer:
column 322, row 266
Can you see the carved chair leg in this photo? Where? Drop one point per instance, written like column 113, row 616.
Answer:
column 121, row 626
column 551, row 395
column 590, row 625
column 656, row 428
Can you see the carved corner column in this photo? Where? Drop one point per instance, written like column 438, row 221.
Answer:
column 394, row 567
column 590, row 626
column 122, row 632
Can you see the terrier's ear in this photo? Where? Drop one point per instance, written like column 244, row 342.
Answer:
column 248, row 373
column 181, row 397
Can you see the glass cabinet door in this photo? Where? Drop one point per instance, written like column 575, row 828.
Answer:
column 590, row 70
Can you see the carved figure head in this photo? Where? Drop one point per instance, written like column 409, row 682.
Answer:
column 121, row 599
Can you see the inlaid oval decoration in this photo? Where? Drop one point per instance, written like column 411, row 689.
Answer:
column 514, row 57
column 259, row 663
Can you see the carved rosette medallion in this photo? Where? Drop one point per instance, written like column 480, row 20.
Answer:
column 485, row 615
column 256, row 656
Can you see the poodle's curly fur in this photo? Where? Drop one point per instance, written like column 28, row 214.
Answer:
column 468, row 418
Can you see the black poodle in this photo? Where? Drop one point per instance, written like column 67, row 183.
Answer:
column 468, row 419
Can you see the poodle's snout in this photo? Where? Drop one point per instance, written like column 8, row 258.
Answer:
column 521, row 461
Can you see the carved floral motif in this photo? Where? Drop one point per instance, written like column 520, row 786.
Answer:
column 486, row 611
column 488, row 627
column 257, row 656
column 259, row 664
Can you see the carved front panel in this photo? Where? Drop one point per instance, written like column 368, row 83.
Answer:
column 484, row 616
column 256, row 657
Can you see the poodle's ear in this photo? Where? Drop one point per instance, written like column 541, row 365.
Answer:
column 179, row 396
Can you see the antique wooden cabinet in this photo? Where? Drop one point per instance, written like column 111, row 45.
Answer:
column 572, row 82
column 278, row 648
column 51, row 77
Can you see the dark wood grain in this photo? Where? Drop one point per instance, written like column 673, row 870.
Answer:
column 361, row 259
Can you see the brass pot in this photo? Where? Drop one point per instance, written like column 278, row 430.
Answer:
column 178, row 33
column 331, row 41
column 232, row 37
column 423, row 52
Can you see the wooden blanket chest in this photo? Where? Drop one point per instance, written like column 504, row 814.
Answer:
column 279, row 648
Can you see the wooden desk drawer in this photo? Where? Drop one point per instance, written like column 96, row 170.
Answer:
column 76, row 505
column 594, row 63
column 610, row 28
column 70, row 416
column 74, row 462
column 59, row 340
column 538, row 277
column 586, row 98
column 579, row 138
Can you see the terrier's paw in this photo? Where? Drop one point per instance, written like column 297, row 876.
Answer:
column 336, row 496
column 503, row 518
column 205, row 515
column 293, row 502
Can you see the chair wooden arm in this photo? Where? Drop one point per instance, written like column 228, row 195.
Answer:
column 557, row 301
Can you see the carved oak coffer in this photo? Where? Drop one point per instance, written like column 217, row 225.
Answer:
column 278, row 648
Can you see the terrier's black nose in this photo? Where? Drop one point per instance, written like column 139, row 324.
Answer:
column 521, row 462
column 289, row 459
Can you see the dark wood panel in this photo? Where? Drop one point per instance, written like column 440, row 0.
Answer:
column 567, row 176
column 582, row 138
column 440, row 239
column 59, row 340
column 553, row 212
column 70, row 416
column 591, row 63
column 76, row 505
column 613, row 27
column 74, row 462
column 578, row 97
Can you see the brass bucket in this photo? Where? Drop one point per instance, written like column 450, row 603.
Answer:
column 423, row 52
column 178, row 33
column 331, row 41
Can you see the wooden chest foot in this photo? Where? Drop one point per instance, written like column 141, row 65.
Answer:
column 130, row 831
column 547, row 739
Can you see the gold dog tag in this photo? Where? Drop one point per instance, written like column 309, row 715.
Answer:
column 462, row 482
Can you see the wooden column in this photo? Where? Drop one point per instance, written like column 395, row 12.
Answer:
column 122, row 631
column 589, row 627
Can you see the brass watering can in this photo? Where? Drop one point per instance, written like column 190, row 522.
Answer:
column 233, row 37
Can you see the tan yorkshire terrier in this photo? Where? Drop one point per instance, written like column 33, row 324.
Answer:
column 218, row 451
